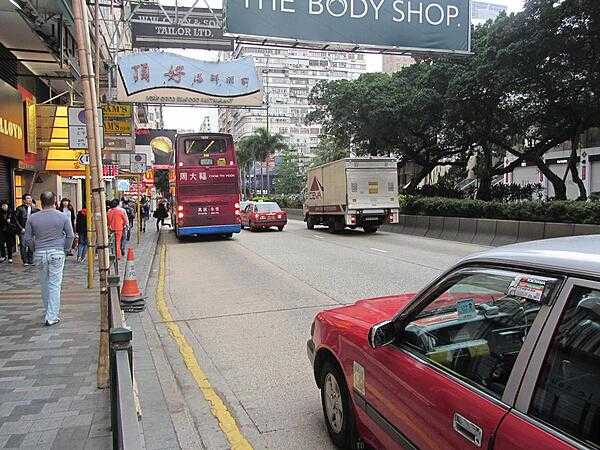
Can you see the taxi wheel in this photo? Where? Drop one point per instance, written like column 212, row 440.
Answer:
column 337, row 408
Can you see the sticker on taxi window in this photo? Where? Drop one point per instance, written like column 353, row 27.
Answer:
column 466, row 307
column 373, row 187
column 528, row 287
column 221, row 162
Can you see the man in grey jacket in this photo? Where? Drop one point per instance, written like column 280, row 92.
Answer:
column 49, row 234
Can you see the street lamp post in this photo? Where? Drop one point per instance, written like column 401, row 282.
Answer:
column 265, row 72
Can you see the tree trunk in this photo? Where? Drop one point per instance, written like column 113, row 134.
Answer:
column 417, row 178
column 560, row 188
column 484, row 173
column 574, row 172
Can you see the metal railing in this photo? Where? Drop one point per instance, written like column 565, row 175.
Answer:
column 124, row 418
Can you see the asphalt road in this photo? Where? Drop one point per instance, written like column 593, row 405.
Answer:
column 247, row 304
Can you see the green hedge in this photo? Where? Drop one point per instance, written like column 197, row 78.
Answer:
column 537, row 211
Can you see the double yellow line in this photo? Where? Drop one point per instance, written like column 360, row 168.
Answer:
column 227, row 422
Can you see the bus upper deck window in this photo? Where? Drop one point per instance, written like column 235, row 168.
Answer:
column 204, row 146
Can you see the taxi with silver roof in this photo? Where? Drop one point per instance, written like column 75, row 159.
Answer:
column 500, row 352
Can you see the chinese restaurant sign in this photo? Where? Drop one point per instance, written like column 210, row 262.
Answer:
column 154, row 26
column 167, row 78
column 419, row 25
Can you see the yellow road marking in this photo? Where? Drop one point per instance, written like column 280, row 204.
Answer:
column 226, row 420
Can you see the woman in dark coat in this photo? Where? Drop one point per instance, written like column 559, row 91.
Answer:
column 8, row 230
column 160, row 214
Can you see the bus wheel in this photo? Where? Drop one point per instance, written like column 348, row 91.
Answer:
column 280, row 228
column 251, row 227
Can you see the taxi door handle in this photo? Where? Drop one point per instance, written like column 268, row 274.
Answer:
column 467, row 429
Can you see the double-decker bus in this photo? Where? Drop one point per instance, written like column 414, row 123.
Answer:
column 205, row 185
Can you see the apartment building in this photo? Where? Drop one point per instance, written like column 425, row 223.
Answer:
column 288, row 75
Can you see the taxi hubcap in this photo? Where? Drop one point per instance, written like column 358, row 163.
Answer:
column 333, row 403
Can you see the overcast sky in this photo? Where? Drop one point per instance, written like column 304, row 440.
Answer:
column 188, row 118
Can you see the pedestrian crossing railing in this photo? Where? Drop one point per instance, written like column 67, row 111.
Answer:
column 124, row 415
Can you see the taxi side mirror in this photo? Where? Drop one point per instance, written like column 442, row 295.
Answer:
column 382, row 334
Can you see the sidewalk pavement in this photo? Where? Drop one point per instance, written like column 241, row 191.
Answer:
column 48, row 393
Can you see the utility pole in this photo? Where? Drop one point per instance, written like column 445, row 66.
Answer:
column 93, row 134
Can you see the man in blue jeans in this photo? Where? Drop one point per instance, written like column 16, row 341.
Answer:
column 49, row 234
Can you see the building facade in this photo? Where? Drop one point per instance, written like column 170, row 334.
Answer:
column 288, row 75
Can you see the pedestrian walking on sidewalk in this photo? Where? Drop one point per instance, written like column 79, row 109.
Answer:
column 117, row 222
column 145, row 211
column 22, row 214
column 8, row 231
column 81, row 230
column 50, row 235
column 160, row 214
column 67, row 209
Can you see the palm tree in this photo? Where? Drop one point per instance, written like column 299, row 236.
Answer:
column 245, row 158
column 261, row 144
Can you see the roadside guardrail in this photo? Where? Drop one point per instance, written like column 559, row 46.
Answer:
column 124, row 418
column 493, row 232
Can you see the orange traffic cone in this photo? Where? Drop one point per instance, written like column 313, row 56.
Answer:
column 130, row 291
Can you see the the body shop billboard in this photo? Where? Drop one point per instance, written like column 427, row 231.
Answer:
column 411, row 25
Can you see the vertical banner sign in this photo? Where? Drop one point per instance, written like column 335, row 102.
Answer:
column 419, row 25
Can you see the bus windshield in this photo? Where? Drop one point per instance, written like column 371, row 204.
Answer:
column 204, row 151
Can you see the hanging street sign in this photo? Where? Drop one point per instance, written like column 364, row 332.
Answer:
column 77, row 128
column 405, row 25
column 153, row 26
column 84, row 159
column 167, row 78
column 118, row 119
column 138, row 163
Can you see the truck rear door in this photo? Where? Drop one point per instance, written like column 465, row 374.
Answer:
column 372, row 188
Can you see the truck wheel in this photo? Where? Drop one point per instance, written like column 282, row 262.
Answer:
column 370, row 229
column 335, row 226
column 310, row 224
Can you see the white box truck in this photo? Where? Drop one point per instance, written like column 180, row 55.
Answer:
column 352, row 192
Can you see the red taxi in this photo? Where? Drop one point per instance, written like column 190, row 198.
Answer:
column 501, row 352
column 263, row 215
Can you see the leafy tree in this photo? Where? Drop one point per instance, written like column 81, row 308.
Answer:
column 289, row 179
column 329, row 150
column 553, row 47
column 261, row 144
